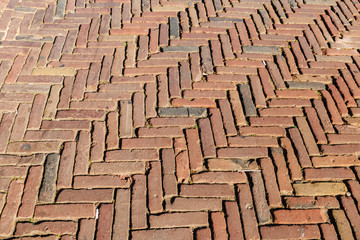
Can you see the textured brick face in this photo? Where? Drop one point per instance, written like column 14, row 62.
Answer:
column 163, row 119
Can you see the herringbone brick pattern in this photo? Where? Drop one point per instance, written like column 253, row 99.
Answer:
column 172, row 119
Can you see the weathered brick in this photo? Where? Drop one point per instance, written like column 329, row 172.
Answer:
column 292, row 231
column 65, row 211
column 319, row 189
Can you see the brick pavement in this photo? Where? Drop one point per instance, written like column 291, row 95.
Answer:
column 169, row 119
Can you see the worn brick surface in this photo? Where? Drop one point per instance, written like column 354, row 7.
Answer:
column 165, row 119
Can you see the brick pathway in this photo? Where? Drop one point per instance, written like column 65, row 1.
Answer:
column 173, row 119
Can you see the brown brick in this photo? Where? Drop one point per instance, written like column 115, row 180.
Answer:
column 121, row 168
column 319, row 189
column 55, row 227
column 310, row 202
column 342, row 224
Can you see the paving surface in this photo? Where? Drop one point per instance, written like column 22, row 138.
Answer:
column 199, row 119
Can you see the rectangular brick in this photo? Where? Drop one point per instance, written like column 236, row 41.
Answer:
column 65, row 211
column 242, row 153
column 307, row 216
column 186, row 219
column 145, row 143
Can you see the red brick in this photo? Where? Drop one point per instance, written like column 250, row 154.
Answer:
column 122, row 214
column 273, row 192
column 66, row 166
column 281, row 171
column 120, row 168
column 227, row 117
column 96, row 195
column 138, row 109
column 5, row 130
column 82, row 156
column 138, row 203
column 300, row 216
column 289, row 102
column 298, row 143
column 236, row 78
column 65, row 125
column 206, row 190
column 146, row 143
column 217, row 128
column 271, row 121
column 219, row 177
column 203, row 233
column 315, row 125
column 104, row 226
column 242, row 153
column 293, row 232
column 186, row 219
column 241, row 141
column 112, row 138
column 155, row 188
column 328, row 231
column 20, row 123
column 171, row 233
column 259, row 195
column 10, row 171
column 324, row 118
column 90, row 182
column 207, row 141
column 131, row 155
column 30, row 192
column 341, row 149
column 328, row 174
column 233, row 221
column 33, row 147
column 219, row 225
column 247, row 212
column 8, row 214
column 194, row 204
column 307, row 136
column 150, row 100
column 160, row 132
column 283, row 111
column 293, row 163
column 197, row 102
column 37, row 111
column 335, row 161
column 262, row 131
column 182, row 167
